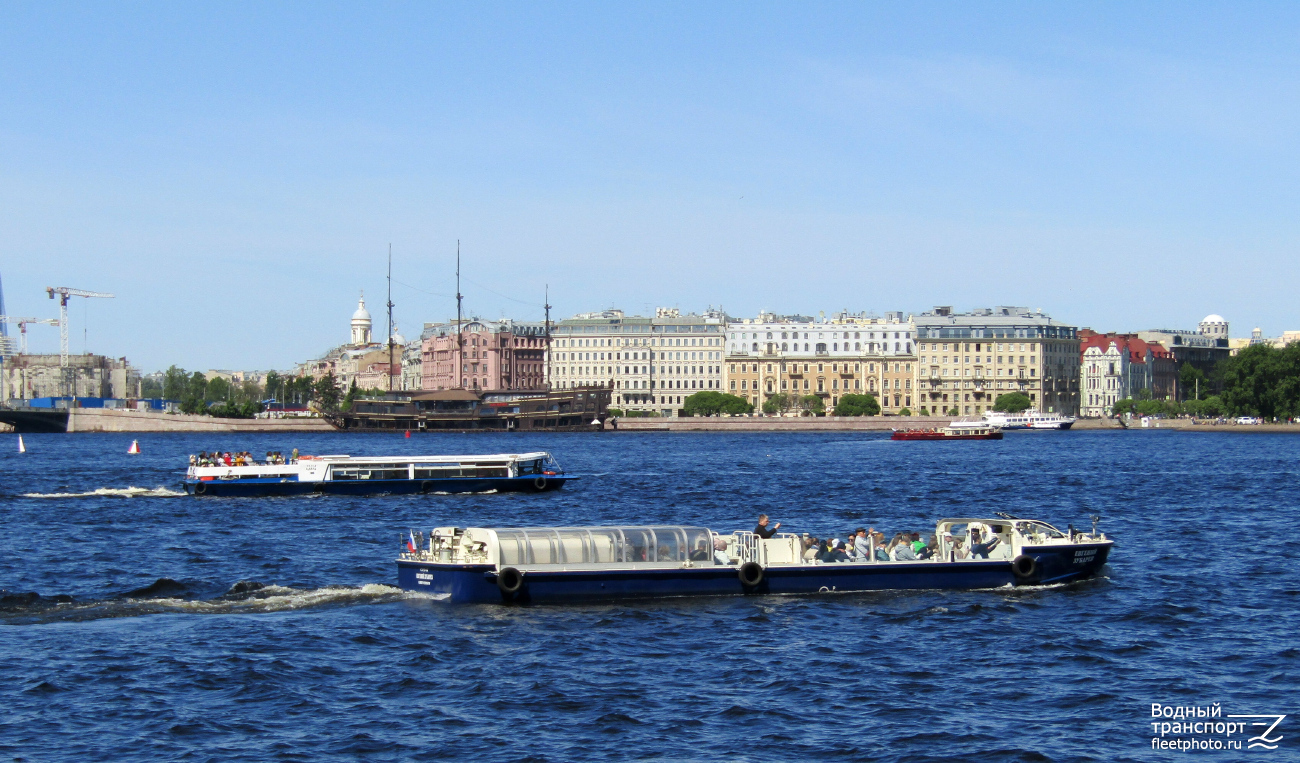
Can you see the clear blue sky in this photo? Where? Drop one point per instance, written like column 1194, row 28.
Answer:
column 235, row 173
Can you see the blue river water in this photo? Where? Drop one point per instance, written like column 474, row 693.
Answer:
column 144, row 625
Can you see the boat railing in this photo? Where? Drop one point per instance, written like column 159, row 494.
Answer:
column 746, row 546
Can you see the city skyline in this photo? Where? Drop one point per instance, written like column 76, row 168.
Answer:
column 235, row 174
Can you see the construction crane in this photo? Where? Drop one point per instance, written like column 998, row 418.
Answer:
column 23, row 323
column 64, row 292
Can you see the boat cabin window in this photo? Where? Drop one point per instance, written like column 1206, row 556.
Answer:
column 595, row 545
column 531, row 467
column 458, row 471
column 1039, row 528
column 371, row 472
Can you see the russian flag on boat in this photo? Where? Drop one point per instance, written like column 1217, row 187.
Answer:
column 410, row 542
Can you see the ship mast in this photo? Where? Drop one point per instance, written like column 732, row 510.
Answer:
column 460, row 339
column 390, row 318
column 547, row 306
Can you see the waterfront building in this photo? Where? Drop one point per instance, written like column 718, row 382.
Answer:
column 1203, row 349
column 967, row 359
column 1257, row 337
column 484, row 355
column 31, row 376
column 798, row 356
column 651, row 365
column 1116, row 367
column 347, row 362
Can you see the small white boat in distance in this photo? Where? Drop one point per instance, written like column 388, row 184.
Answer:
column 1030, row 419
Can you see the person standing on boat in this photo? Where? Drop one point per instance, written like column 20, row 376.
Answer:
column 762, row 531
column 980, row 550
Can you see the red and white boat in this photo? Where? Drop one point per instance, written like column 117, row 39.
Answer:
column 949, row 433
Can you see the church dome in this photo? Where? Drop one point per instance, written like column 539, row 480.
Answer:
column 362, row 314
column 1214, row 319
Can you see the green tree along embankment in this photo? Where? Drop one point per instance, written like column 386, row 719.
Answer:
column 713, row 403
column 857, row 405
column 1262, row 380
column 1012, row 402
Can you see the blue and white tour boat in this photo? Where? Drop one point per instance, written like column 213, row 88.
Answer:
column 547, row 564
column 352, row 475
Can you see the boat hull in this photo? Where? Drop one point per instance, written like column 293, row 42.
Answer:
column 255, row 488
column 478, row 582
column 905, row 435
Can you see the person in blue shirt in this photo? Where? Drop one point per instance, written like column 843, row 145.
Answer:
column 978, row 549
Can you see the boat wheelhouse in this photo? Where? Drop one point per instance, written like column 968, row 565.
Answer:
column 478, row 564
column 369, row 475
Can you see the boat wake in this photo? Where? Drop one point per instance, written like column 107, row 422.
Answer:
column 116, row 492
column 167, row 596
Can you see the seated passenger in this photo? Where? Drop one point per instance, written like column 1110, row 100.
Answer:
column 194, row 460
column 720, row 551
column 809, row 548
column 957, row 551
column 701, row 552
column 903, row 552
column 882, row 552
column 980, row 550
column 929, row 549
column 838, row 553
column 917, row 543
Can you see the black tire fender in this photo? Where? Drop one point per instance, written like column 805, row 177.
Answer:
column 510, row 581
column 1025, row 568
column 750, row 574
column 539, row 482
column 426, row 486
column 200, row 488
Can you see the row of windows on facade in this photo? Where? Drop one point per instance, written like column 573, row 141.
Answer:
column 647, row 384
column 745, row 384
column 656, row 341
column 834, row 347
column 752, row 368
column 572, row 356
column 634, row 370
column 821, row 335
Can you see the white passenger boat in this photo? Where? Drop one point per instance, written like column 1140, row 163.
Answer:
column 480, row 564
column 1030, row 419
column 354, row 475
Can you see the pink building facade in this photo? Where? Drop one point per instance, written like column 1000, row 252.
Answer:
column 490, row 356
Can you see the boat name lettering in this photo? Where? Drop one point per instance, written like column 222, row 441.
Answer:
column 1084, row 555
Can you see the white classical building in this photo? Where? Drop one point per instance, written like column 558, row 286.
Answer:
column 651, row 364
column 1104, row 371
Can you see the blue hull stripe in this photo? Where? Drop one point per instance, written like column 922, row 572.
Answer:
column 247, row 488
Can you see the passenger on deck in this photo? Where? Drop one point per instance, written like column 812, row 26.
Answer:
column 957, row 551
column 720, row 551
column 701, row 552
column 762, row 531
column 861, row 546
column 930, row 549
column 295, row 456
column 882, row 552
column 903, row 550
column 194, row 460
column 838, row 553
column 917, row 544
column 980, row 550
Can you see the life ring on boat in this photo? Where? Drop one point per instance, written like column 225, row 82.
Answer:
column 200, row 488
column 1025, row 568
column 750, row 574
column 510, row 580
column 539, row 482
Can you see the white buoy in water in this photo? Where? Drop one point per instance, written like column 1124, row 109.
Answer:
column 21, row 448
column 135, row 447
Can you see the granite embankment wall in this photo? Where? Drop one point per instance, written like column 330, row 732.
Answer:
column 780, row 424
column 886, row 423
column 110, row 420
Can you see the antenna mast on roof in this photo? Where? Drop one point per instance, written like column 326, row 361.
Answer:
column 390, row 317
column 460, row 339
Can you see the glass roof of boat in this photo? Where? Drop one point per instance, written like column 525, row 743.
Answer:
column 595, row 545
